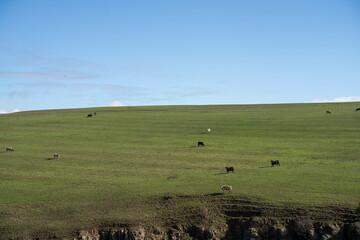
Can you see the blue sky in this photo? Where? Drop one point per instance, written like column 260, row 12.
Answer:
column 76, row 54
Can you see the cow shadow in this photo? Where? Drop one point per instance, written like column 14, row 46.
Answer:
column 213, row 194
column 221, row 173
column 266, row 167
column 49, row 158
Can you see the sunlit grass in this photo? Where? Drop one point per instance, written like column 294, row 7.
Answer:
column 116, row 163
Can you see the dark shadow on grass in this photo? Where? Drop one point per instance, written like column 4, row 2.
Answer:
column 49, row 158
column 266, row 167
column 220, row 173
column 213, row 194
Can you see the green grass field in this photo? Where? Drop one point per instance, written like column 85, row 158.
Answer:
column 115, row 165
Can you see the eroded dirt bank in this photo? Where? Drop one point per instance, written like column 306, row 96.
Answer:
column 224, row 217
column 254, row 228
column 229, row 218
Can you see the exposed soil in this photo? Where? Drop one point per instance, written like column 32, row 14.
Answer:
column 225, row 217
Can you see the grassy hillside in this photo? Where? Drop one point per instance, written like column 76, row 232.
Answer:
column 115, row 165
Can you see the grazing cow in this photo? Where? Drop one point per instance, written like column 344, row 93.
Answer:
column 276, row 162
column 89, row 115
column 328, row 112
column 201, row 144
column 358, row 109
column 229, row 169
column 208, row 130
column 56, row 155
column 226, row 188
column 9, row 149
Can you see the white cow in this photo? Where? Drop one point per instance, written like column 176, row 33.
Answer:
column 208, row 130
column 9, row 149
column 226, row 188
column 56, row 155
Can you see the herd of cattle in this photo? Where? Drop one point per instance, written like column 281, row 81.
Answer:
column 200, row 144
column 231, row 169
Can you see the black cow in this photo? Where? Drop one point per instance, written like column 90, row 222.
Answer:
column 328, row 112
column 89, row 115
column 358, row 109
column 201, row 144
column 229, row 169
column 276, row 162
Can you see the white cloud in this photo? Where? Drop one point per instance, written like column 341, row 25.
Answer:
column 117, row 103
column 317, row 100
column 340, row 99
column 347, row 99
column 2, row 111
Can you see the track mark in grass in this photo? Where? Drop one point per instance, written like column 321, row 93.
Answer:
column 265, row 167
column 220, row 173
column 172, row 177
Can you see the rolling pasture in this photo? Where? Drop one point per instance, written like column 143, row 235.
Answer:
column 115, row 165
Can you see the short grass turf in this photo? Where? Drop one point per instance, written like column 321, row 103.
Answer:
column 114, row 164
